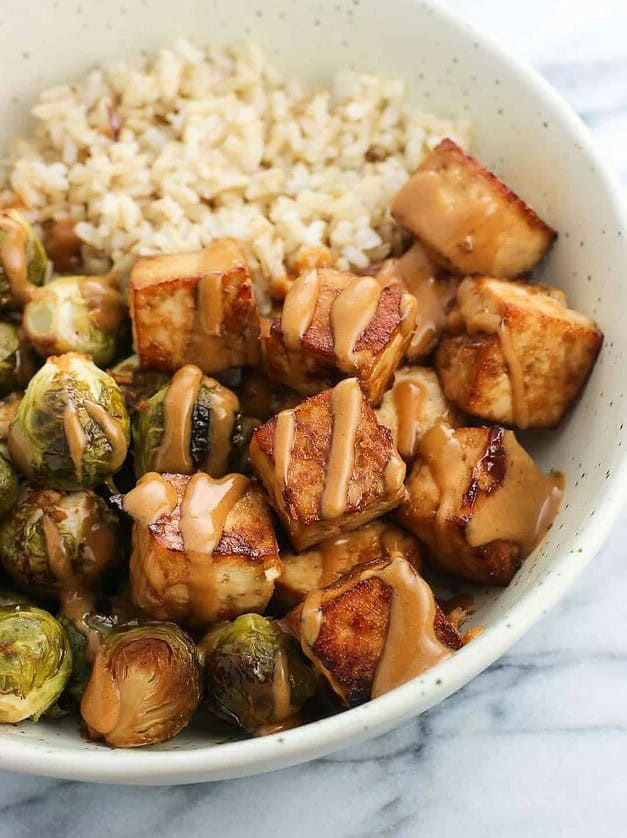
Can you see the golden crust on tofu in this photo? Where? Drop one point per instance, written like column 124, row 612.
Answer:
column 323, row 564
column 412, row 406
column 194, row 308
column 170, row 580
column 328, row 465
column 478, row 502
column 417, row 272
column 346, row 628
column 522, row 356
column 335, row 324
column 469, row 218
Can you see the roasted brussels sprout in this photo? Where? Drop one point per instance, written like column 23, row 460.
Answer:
column 23, row 260
column 137, row 384
column 8, row 487
column 71, row 430
column 35, row 662
column 256, row 675
column 8, row 409
column 189, row 425
column 144, row 686
column 17, row 359
column 76, row 314
column 58, row 543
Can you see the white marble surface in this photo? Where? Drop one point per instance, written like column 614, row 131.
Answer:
column 536, row 746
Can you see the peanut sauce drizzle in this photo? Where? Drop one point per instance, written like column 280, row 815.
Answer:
column 210, row 303
column 284, row 433
column 75, row 437
column 106, row 306
column 14, row 260
column 522, row 509
column 204, row 509
column 299, row 308
column 281, row 689
column 174, row 451
column 151, row 499
column 351, row 312
column 112, row 429
column 224, row 407
column 408, row 397
column 346, row 404
column 444, row 455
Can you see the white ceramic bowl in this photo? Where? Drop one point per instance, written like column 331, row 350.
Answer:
column 523, row 131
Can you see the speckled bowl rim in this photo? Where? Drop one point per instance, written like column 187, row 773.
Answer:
column 252, row 756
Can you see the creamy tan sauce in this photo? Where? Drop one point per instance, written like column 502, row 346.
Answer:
column 281, row 690
column 174, row 452
column 346, row 404
column 152, row 499
column 411, row 645
column 442, row 452
column 299, row 308
column 75, row 437
column 492, row 323
column 408, row 398
column 284, row 433
column 210, row 303
column 106, row 306
column 205, row 507
column 351, row 313
column 224, row 408
column 112, row 429
column 14, row 259
column 522, row 508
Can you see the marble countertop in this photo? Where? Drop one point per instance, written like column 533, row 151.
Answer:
column 537, row 745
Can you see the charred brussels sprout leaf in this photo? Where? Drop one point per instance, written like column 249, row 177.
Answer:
column 76, row 314
column 136, row 384
column 23, row 260
column 144, row 685
column 17, row 360
column 196, row 409
column 8, row 487
column 35, row 662
column 256, row 675
column 71, row 429
column 58, row 542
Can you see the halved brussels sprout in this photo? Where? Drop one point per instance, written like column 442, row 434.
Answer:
column 18, row 362
column 23, row 260
column 255, row 673
column 71, row 429
column 144, row 685
column 9, row 487
column 77, row 314
column 56, row 544
column 35, row 662
column 136, row 384
column 189, row 425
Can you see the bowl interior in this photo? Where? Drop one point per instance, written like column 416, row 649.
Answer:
column 531, row 140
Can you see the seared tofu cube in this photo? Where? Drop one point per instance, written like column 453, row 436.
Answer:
column 469, row 218
column 195, row 308
column 328, row 465
column 373, row 629
column 521, row 356
column 433, row 287
column 326, row 562
column 203, row 549
column 413, row 405
column 478, row 502
column 334, row 325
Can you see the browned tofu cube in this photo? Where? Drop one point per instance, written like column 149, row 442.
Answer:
column 328, row 465
column 195, row 308
column 521, row 355
column 372, row 630
column 334, row 325
column 469, row 218
column 203, row 549
column 413, row 405
column 326, row 562
column 433, row 287
column 478, row 502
